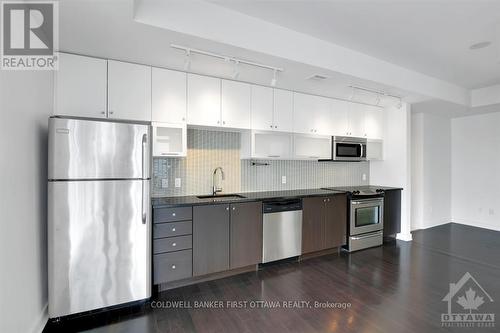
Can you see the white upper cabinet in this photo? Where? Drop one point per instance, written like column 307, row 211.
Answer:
column 266, row 145
column 356, row 116
column 169, row 96
column 340, row 120
column 80, row 86
column 129, row 91
column 283, row 110
column 303, row 113
column 203, row 100
column 262, row 108
column 312, row 114
column 374, row 122
column 236, row 100
column 323, row 115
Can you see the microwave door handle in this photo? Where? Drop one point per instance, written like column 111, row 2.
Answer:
column 361, row 145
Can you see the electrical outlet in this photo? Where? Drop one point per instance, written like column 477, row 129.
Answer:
column 164, row 183
column 364, row 177
column 283, row 179
column 177, row 182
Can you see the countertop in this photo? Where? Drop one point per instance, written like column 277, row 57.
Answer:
column 255, row 196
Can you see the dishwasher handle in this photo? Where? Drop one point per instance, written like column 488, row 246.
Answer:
column 282, row 206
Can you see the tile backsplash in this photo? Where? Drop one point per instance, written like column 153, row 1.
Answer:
column 210, row 149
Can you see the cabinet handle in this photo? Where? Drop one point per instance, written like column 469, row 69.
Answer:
column 183, row 119
column 218, row 122
column 328, row 199
column 223, row 123
column 227, row 208
column 273, row 156
column 174, row 244
column 111, row 112
column 173, row 266
column 271, row 126
column 275, row 126
column 103, row 112
column 173, row 229
column 173, row 214
column 234, row 208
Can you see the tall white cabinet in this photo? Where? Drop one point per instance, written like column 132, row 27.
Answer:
column 169, row 96
column 129, row 91
column 312, row 114
column 235, row 107
column 203, row 100
column 80, row 86
column 262, row 108
column 283, row 110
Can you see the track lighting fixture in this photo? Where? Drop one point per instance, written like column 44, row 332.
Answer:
column 274, row 79
column 187, row 60
column 236, row 70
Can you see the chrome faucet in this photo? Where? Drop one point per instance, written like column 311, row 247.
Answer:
column 216, row 189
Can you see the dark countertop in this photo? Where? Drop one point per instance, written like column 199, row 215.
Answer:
column 256, row 196
column 248, row 196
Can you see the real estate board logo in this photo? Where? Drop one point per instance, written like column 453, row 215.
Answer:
column 29, row 35
column 467, row 305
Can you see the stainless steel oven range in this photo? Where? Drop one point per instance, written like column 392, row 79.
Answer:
column 366, row 217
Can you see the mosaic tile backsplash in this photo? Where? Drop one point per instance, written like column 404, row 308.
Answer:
column 210, row 149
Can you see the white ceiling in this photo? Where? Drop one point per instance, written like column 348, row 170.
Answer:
column 430, row 37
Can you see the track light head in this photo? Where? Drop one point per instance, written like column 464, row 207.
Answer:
column 236, row 70
column 274, row 79
column 187, row 60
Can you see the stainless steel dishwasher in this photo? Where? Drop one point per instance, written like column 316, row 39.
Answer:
column 282, row 229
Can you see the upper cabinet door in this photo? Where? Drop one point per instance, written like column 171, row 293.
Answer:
column 304, row 113
column 80, row 86
column 283, row 110
column 322, row 115
column 356, row 114
column 340, row 122
column 168, row 96
column 236, row 99
column 262, row 108
column 374, row 122
column 129, row 89
column 203, row 100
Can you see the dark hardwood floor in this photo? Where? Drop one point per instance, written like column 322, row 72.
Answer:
column 395, row 288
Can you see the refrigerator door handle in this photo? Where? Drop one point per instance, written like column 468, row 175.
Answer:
column 144, row 168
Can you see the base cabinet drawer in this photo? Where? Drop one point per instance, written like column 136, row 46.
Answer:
column 172, row 266
column 172, row 244
column 161, row 230
column 172, row 214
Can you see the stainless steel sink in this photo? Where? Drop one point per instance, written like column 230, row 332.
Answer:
column 221, row 196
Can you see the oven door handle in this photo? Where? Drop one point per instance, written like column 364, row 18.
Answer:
column 368, row 202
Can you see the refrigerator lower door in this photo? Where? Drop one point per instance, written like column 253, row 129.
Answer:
column 99, row 244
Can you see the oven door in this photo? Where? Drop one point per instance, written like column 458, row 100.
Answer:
column 349, row 151
column 367, row 215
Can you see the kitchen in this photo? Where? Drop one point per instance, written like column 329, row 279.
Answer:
column 196, row 179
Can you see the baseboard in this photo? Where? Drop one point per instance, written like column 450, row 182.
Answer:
column 43, row 318
column 476, row 224
column 435, row 224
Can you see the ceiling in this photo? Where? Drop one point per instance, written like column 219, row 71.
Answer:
column 430, row 37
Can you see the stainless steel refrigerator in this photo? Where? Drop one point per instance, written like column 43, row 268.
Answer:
column 99, row 214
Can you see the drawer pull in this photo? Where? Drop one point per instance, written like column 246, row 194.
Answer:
column 173, row 229
column 173, row 214
column 173, row 266
column 174, row 244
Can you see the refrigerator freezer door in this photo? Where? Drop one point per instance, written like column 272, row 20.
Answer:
column 93, row 149
column 99, row 246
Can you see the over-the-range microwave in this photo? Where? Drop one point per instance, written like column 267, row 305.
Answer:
column 348, row 149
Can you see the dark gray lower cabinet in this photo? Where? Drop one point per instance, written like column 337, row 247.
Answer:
column 246, row 234
column 210, row 239
column 392, row 212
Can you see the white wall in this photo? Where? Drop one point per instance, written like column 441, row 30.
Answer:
column 431, row 169
column 25, row 104
column 475, row 172
column 394, row 170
